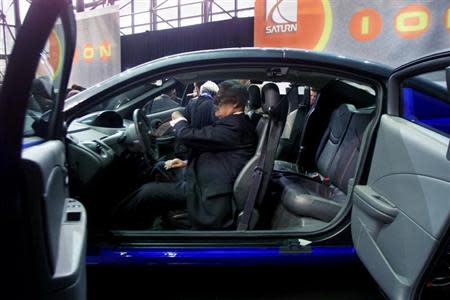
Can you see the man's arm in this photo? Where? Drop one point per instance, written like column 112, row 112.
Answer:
column 217, row 137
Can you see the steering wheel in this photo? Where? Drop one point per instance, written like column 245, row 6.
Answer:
column 144, row 134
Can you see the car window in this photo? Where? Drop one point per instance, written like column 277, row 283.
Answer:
column 426, row 101
column 121, row 99
column 163, row 103
column 170, row 101
column 45, row 85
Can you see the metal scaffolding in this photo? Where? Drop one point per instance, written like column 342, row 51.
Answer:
column 135, row 16
column 10, row 22
column 149, row 15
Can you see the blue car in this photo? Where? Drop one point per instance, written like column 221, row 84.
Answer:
column 352, row 163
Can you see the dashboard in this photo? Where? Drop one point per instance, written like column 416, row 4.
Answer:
column 94, row 143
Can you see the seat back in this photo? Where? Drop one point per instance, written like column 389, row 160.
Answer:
column 346, row 159
column 290, row 139
column 269, row 131
column 332, row 138
column 244, row 179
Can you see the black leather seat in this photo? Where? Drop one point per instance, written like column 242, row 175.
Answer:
column 270, row 126
column 254, row 104
column 309, row 202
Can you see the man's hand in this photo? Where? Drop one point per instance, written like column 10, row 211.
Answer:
column 176, row 115
column 175, row 163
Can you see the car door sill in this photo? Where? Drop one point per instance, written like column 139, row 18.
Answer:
column 334, row 236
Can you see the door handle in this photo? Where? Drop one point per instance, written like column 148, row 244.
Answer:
column 374, row 204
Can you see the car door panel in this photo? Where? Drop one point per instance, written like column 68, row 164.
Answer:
column 49, row 158
column 70, row 264
column 65, row 219
column 401, row 214
column 46, row 229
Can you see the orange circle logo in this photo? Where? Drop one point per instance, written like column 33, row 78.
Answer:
column 365, row 25
column 292, row 23
column 412, row 21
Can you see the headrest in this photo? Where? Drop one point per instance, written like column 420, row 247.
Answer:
column 42, row 86
column 271, row 100
column 254, row 99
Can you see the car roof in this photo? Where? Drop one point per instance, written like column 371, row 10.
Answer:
column 280, row 55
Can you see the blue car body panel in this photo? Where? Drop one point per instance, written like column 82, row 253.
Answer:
column 30, row 142
column 223, row 256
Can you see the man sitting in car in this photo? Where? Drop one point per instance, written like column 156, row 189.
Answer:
column 200, row 111
column 219, row 152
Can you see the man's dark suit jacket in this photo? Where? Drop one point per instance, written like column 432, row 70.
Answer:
column 200, row 111
column 220, row 151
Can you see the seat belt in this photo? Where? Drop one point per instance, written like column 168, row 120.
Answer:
column 300, row 117
column 261, row 168
column 300, row 150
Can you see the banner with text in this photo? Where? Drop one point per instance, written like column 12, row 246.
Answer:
column 97, row 52
column 390, row 32
column 97, row 55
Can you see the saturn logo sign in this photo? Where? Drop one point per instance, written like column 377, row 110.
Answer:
column 302, row 24
column 281, row 16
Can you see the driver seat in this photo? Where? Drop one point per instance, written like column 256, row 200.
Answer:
column 269, row 130
column 179, row 219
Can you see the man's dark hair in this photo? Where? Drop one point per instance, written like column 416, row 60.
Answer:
column 77, row 87
column 233, row 92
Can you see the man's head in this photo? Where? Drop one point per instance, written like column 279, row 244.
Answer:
column 231, row 98
column 77, row 87
column 209, row 88
column 197, row 85
column 312, row 96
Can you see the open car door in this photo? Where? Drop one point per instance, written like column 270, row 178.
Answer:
column 44, row 230
column 401, row 216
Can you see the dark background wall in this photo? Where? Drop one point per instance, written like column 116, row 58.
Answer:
column 143, row 47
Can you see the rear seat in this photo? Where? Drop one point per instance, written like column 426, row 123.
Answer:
column 309, row 202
